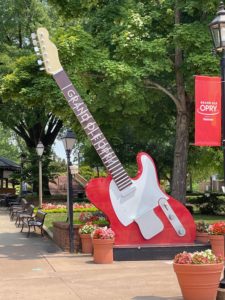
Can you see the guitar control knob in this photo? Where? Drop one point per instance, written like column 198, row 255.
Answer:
column 181, row 231
column 171, row 217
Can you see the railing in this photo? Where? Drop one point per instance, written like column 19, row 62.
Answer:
column 80, row 179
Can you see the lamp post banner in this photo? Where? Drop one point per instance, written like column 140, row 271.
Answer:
column 207, row 111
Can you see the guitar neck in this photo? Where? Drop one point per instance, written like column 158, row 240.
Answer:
column 97, row 138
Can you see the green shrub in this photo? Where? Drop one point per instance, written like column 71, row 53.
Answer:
column 212, row 205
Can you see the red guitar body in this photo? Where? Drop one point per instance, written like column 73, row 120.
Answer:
column 97, row 191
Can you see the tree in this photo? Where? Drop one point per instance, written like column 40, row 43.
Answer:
column 8, row 145
column 156, row 45
column 23, row 103
column 118, row 109
column 27, row 115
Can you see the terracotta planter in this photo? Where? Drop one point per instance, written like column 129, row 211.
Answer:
column 202, row 237
column 198, row 282
column 103, row 251
column 86, row 243
column 217, row 244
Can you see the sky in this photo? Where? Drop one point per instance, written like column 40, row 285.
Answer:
column 59, row 149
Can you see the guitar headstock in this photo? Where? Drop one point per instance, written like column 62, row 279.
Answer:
column 47, row 50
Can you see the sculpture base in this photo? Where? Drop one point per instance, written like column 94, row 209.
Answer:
column 154, row 252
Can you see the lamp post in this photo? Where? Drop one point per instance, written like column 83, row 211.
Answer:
column 40, row 150
column 68, row 142
column 217, row 28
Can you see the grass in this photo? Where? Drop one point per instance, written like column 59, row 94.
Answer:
column 54, row 217
column 208, row 218
column 62, row 217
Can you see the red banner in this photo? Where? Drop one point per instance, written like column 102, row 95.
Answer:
column 207, row 111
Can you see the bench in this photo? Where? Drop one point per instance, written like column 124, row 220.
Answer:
column 36, row 221
column 18, row 208
column 11, row 199
column 24, row 215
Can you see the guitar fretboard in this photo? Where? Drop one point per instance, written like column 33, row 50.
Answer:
column 98, row 140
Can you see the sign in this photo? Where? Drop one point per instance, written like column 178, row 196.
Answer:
column 207, row 111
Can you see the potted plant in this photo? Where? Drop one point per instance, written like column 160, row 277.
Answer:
column 103, row 240
column 216, row 237
column 202, row 234
column 85, row 235
column 198, row 274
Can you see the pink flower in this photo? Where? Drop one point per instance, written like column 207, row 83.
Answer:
column 183, row 258
column 197, row 258
column 103, row 233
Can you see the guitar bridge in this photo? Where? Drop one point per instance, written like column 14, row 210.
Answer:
column 172, row 217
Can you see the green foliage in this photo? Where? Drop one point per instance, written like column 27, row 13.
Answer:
column 88, row 172
column 205, row 161
column 8, row 145
column 209, row 204
column 212, row 206
column 19, row 19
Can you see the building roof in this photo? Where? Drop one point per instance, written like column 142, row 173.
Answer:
column 7, row 164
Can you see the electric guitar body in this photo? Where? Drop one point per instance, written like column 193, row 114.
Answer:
column 139, row 211
column 97, row 191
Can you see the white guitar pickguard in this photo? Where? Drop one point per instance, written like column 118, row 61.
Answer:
column 138, row 205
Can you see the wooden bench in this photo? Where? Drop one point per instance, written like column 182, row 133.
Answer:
column 20, row 216
column 18, row 208
column 36, row 221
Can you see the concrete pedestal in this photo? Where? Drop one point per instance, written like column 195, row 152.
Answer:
column 154, row 252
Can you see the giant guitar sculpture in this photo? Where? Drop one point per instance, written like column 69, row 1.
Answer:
column 138, row 210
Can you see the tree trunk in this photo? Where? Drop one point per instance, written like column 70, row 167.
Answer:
column 182, row 124
column 180, row 157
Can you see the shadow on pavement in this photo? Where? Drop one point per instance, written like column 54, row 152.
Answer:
column 18, row 246
column 156, row 298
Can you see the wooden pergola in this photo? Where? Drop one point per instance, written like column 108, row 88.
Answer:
column 7, row 167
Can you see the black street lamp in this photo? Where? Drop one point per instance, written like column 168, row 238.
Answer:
column 40, row 150
column 68, row 142
column 217, row 28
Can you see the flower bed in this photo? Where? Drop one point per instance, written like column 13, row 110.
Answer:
column 77, row 207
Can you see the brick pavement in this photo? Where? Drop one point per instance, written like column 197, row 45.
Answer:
column 35, row 268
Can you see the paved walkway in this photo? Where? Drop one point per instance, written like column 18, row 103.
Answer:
column 35, row 268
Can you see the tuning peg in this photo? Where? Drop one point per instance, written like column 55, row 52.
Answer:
column 35, row 42
column 36, row 49
column 40, row 62
column 33, row 36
